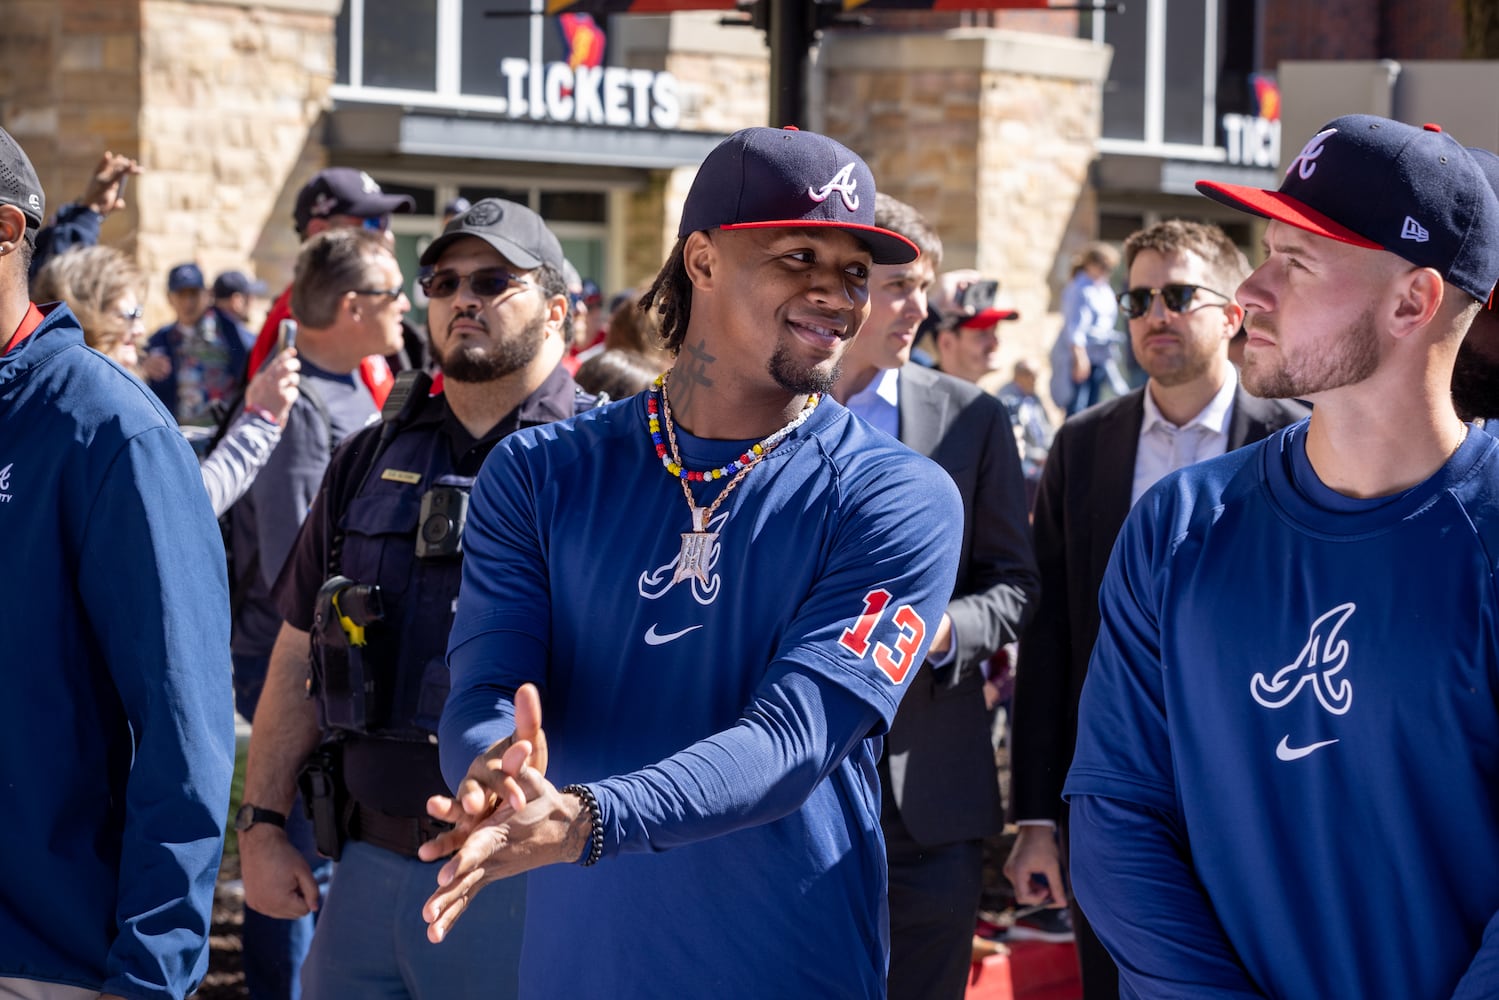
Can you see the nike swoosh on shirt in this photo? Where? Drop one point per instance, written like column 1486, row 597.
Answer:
column 1287, row 752
column 654, row 638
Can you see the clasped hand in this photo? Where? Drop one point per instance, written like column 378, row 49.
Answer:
column 507, row 819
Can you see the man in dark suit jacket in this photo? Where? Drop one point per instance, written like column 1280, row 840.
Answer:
column 940, row 786
column 1182, row 276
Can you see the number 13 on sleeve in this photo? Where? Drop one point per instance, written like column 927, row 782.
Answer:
column 893, row 662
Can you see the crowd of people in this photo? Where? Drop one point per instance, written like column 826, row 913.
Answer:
column 533, row 717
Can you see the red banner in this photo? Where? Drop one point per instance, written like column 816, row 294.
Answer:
column 671, row 6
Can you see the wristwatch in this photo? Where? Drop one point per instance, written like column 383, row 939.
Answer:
column 249, row 815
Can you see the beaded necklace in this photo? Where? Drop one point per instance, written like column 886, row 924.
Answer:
column 697, row 544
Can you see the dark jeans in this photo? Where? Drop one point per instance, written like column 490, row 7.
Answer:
column 274, row 949
column 1090, row 391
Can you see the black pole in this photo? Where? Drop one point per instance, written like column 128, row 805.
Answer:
column 789, row 34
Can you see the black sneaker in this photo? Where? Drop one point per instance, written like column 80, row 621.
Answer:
column 1041, row 924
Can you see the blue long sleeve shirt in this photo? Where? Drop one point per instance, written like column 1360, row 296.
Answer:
column 728, row 723
column 116, row 758
column 1291, row 719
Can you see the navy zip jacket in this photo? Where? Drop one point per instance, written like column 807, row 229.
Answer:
column 118, row 745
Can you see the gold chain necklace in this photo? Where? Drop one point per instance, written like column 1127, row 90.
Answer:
column 697, row 544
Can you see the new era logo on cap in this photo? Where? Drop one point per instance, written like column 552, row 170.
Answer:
column 19, row 185
column 761, row 178
column 1384, row 185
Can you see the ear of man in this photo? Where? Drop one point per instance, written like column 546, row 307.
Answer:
column 12, row 228
column 1418, row 296
column 699, row 259
column 557, row 309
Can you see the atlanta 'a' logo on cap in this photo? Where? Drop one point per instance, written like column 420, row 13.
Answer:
column 843, row 184
column 1305, row 163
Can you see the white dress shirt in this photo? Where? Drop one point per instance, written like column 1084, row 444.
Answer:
column 878, row 403
column 1165, row 447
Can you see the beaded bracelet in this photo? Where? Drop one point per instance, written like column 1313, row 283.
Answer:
column 596, row 818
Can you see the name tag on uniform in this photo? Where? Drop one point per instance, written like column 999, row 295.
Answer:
column 400, row 476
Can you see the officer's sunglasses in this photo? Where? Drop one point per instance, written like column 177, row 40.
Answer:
column 487, row 282
column 1176, row 298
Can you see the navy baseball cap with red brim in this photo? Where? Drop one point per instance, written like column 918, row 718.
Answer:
column 769, row 178
column 1380, row 184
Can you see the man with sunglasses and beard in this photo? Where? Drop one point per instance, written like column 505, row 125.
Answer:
column 382, row 545
column 1181, row 317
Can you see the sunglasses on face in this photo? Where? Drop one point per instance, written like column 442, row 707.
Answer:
column 389, row 293
column 131, row 315
column 1176, row 298
column 376, row 223
column 487, row 282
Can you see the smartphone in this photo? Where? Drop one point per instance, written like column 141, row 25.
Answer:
column 124, row 180
column 977, row 297
column 286, row 336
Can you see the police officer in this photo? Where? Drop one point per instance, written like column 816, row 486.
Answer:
column 368, row 596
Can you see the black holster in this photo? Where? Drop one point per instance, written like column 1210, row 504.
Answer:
column 344, row 670
column 325, row 799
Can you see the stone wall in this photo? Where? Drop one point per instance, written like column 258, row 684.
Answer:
column 70, row 79
column 990, row 134
column 231, row 95
column 218, row 100
column 724, row 76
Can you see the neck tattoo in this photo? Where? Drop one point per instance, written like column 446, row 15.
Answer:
column 697, row 544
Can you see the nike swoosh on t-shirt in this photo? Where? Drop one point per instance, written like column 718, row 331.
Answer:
column 1287, row 752
column 654, row 638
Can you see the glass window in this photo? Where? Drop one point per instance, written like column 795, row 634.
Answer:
column 518, row 195
column 1124, row 91
column 341, row 46
column 573, row 206
column 1186, row 57
column 587, row 255
column 400, row 44
column 493, row 30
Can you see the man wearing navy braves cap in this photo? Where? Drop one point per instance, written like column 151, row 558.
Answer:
column 773, row 571
column 1289, row 717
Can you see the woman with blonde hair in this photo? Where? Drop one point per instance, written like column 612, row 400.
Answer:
column 105, row 290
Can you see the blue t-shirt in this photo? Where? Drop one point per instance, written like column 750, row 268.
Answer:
column 834, row 560
column 1302, row 689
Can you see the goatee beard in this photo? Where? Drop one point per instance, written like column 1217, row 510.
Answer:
column 463, row 363
column 794, row 377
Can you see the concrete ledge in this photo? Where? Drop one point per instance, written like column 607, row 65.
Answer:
column 328, row 8
column 977, row 49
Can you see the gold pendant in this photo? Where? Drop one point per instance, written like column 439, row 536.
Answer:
column 697, row 548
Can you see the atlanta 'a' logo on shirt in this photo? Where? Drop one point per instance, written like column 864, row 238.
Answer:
column 1317, row 666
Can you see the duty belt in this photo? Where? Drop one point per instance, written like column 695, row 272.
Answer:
column 399, row 834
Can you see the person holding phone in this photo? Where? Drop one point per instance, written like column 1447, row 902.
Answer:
column 77, row 223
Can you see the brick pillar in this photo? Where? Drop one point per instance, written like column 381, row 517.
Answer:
column 990, row 134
